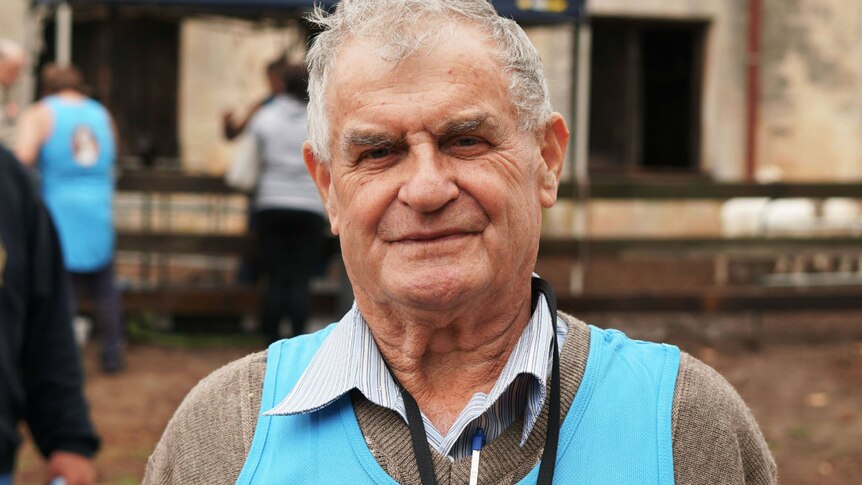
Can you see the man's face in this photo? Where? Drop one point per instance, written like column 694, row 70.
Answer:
column 435, row 193
column 10, row 69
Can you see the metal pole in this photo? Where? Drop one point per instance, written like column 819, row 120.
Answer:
column 580, row 145
column 752, row 88
column 574, row 141
column 33, row 42
column 63, row 40
column 582, row 94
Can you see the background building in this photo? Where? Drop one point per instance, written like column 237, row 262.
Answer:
column 16, row 23
column 667, row 79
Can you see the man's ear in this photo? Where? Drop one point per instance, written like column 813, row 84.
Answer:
column 322, row 177
column 553, row 142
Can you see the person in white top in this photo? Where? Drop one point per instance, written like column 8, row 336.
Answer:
column 289, row 214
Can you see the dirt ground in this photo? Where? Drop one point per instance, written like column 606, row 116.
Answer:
column 806, row 397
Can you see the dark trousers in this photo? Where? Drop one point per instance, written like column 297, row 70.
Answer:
column 249, row 266
column 291, row 245
column 100, row 287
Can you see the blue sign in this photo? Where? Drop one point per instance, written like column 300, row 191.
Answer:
column 549, row 9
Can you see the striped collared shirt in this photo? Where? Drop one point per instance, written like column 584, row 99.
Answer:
column 349, row 359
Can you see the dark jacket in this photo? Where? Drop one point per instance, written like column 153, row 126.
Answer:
column 40, row 369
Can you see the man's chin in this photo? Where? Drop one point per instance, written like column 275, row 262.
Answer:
column 437, row 289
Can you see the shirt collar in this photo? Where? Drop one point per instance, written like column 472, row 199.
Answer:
column 349, row 359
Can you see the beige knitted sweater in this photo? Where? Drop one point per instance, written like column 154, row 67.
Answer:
column 715, row 437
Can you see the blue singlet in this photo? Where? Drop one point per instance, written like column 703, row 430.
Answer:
column 617, row 431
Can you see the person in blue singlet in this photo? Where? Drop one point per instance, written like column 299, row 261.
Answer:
column 70, row 139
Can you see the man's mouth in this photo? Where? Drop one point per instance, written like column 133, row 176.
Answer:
column 433, row 236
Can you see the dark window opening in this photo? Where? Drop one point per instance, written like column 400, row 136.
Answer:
column 645, row 96
column 131, row 65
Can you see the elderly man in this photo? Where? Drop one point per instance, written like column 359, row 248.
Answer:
column 434, row 148
column 12, row 60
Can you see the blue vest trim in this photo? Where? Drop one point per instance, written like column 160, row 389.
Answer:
column 664, row 415
column 579, row 405
column 275, row 387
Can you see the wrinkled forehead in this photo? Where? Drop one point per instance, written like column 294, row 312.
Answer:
column 365, row 57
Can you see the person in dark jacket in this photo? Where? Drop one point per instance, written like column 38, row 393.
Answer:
column 40, row 371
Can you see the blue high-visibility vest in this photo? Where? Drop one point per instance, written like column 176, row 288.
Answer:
column 617, row 431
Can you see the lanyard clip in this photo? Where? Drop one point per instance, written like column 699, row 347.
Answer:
column 478, row 439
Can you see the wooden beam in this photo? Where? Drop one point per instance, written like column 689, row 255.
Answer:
column 172, row 243
column 242, row 300
column 704, row 190
column 715, row 301
column 193, row 301
column 707, row 246
column 167, row 181
column 227, row 244
column 221, row 301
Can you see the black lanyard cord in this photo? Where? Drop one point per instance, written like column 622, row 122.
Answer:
column 419, row 438
column 552, row 435
column 549, row 455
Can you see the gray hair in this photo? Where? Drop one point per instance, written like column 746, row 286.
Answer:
column 400, row 27
column 10, row 49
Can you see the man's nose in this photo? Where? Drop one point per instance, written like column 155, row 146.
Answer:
column 430, row 184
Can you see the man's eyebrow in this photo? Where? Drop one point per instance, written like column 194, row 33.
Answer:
column 468, row 124
column 373, row 138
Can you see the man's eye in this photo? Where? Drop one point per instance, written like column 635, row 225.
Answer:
column 378, row 153
column 466, row 142
column 465, row 146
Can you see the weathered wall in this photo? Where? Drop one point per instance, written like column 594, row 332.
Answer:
column 810, row 107
column 810, row 125
column 14, row 25
column 722, row 124
column 222, row 67
column 12, row 15
column 723, row 113
column 554, row 44
column 811, row 104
